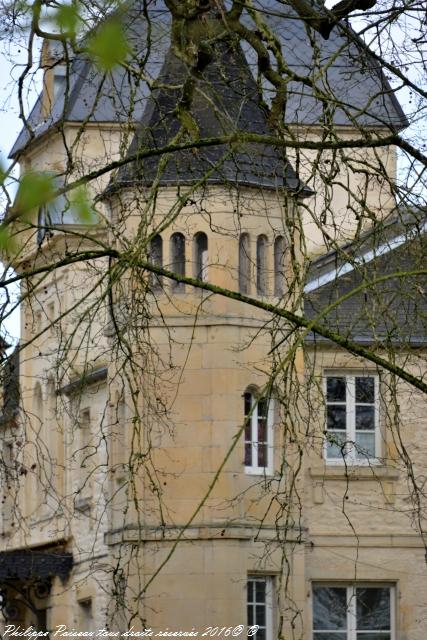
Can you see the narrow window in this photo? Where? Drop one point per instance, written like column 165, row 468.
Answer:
column 261, row 265
column 200, row 260
column 177, row 250
column 244, row 263
column 279, row 266
column 85, row 614
column 352, row 418
column 156, row 258
column 353, row 612
column 260, row 605
column 258, row 434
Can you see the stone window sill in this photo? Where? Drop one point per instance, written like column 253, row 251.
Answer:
column 353, row 472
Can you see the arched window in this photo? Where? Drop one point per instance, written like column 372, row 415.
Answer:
column 244, row 263
column 261, row 265
column 156, row 258
column 177, row 252
column 258, row 433
column 279, row 266
column 200, row 255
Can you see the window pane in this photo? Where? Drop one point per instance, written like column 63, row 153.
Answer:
column 329, row 635
column 248, row 403
column 260, row 615
column 248, row 454
column 336, row 415
column 262, row 455
column 365, row 417
column 373, row 609
column 330, row 608
column 262, row 407
column 262, row 430
column 365, row 390
column 250, row 615
column 260, row 591
column 336, row 445
column 365, row 445
column 374, row 636
column 335, row 389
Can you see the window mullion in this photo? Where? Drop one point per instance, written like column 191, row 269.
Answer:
column 351, row 613
column 351, row 415
column 377, row 435
column 254, row 433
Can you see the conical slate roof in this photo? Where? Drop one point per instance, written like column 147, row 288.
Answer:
column 343, row 72
column 224, row 100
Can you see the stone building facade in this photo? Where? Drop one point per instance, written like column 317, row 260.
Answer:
column 168, row 465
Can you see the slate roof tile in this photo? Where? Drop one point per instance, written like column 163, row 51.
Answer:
column 360, row 93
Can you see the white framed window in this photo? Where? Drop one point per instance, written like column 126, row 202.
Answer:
column 259, row 602
column 258, row 433
column 352, row 417
column 353, row 612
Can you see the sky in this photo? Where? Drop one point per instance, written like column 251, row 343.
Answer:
column 11, row 60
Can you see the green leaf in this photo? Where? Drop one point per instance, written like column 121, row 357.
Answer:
column 35, row 189
column 109, row 46
column 67, row 19
column 82, row 207
column 7, row 243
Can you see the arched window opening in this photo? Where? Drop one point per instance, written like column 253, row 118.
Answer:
column 156, row 258
column 244, row 263
column 279, row 266
column 200, row 253
column 177, row 251
column 261, row 265
column 258, row 433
